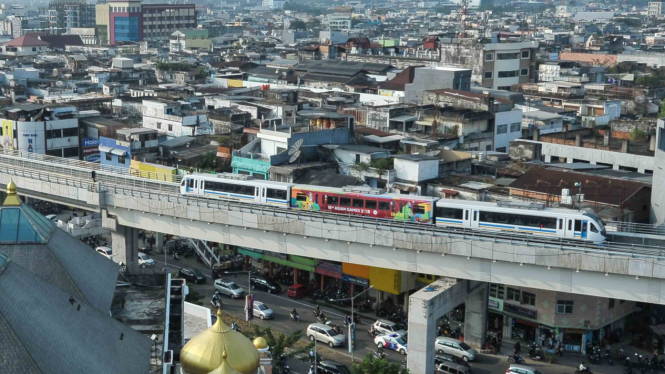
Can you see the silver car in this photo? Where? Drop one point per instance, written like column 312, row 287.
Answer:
column 262, row 311
column 456, row 348
column 325, row 333
column 229, row 288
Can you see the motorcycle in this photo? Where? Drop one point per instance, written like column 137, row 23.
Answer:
column 379, row 354
column 517, row 359
column 608, row 357
column 338, row 329
column 323, row 320
column 316, row 312
column 587, row 371
column 294, row 317
column 535, row 352
column 372, row 332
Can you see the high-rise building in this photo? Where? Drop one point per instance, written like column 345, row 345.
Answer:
column 656, row 9
column 65, row 14
column 129, row 21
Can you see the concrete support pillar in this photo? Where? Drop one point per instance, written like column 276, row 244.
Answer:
column 606, row 137
column 548, row 159
column 578, row 140
column 270, row 267
column 640, row 170
column 570, row 160
column 536, row 135
column 475, row 316
column 593, row 162
column 624, row 146
column 615, row 167
column 159, row 241
column 652, row 142
column 425, row 307
column 125, row 244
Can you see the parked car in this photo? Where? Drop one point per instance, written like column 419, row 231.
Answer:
column 455, row 347
column 105, row 251
column 262, row 311
column 51, row 217
column 193, row 275
column 229, row 288
column 387, row 327
column 452, row 368
column 445, row 357
column 325, row 334
column 262, row 284
column 297, row 291
column 522, row 369
column 392, row 341
column 331, row 367
column 145, row 260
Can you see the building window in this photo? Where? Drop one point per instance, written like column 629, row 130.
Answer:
column 159, row 125
column 526, row 54
column 34, row 49
column 507, row 56
column 74, row 131
column 488, row 75
column 54, row 152
column 71, row 152
column 121, row 159
column 612, row 302
column 564, row 307
column 528, row 298
column 489, row 56
column 497, row 290
column 661, row 139
column 501, row 149
column 502, row 129
column 109, row 157
column 504, row 88
column 170, row 127
column 513, row 294
column 515, row 127
column 524, row 72
column 508, row 74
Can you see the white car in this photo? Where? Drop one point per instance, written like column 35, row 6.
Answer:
column 51, row 217
column 145, row 260
column 388, row 328
column 262, row 311
column 105, row 251
column 392, row 341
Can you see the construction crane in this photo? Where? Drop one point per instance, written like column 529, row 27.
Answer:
column 461, row 16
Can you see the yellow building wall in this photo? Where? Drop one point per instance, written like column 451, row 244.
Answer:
column 387, row 280
column 234, row 83
column 152, row 171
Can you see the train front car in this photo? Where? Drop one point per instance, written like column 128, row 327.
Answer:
column 363, row 201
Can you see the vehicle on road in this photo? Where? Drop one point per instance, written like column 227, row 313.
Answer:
column 325, row 334
column 193, row 275
column 392, row 341
column 455, row 347
column 262, row 311
column 452, row 368
column 105, row 251
column 297, row 291
column 263, row 284
column 445, row 357
column 331, row 367
column 145, row 260
column 383, row 326
column 51, row 217
column 228, row 288
column 522, row 369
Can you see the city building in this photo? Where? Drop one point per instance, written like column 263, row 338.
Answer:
column 129, row 144
column 40, row 129
column 339, row 21
column 120, row 21
column 174, row 118
column 190, row 41
column 26, row 45
column 63, row 15
column 656, row 8
column 161, row 20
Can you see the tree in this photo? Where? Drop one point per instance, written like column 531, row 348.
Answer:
column 194, row 297
column 662, row 110
column 373, row 365
column 298, row 25
column 638, row 135
column 279, row 343
column 207, row 161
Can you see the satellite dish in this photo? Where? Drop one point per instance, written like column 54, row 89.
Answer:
column 294, row 157
column 295, row 147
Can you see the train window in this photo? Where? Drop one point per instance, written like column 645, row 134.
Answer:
column 370, row 204
column 560, row 224
column 384, row 205
column 357, row 203
column 183, row 182
column 334, row 200
column 190, row 183
column 570, row 225
column 418, row 209
column 449, row 213
column 345, row 201
column 578, row 225
column 466, row 215
column 244, row 190
column 475, row 215
column 593, row 227
column 301, row 197
column 272, row 193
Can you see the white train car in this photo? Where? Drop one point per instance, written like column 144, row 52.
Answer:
column 237, row 187
column 529, row 218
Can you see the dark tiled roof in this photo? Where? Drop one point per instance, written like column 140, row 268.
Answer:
column 398, row 82
column 604, row 190
column 26, row 41
column 60, row 41
column 320, row 178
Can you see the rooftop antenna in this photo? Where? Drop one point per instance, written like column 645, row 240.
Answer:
column 295, row 151
column 461, row 16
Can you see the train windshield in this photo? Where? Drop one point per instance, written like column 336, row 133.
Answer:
column 596, row 218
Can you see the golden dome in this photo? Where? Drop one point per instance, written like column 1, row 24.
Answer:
column 260, row 343
column 205, row 352
column 224, row 368
column 12, row 199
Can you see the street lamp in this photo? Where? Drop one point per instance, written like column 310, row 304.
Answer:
column 579, row 195
column 249, row 286
column 353, row 351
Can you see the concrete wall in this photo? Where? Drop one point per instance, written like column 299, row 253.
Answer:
column 416, row 170
column 658, row 186
column 507, row 118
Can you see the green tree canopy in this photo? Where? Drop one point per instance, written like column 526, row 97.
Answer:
column 283, row 344
column 298, row 25
column 373, row 365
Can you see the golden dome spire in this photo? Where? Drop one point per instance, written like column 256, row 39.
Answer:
column 12, row 199
column 219, row 348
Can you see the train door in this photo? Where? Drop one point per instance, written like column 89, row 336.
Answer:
column 585, row 229
column 260, row 194
column 569, row 228
column 574, row 228
column 196, row 186
column 475, row 217
column 467, row 218
column 561, row 227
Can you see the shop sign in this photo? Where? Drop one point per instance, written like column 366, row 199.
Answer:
column 573, row 348
column 281, row 256
column 93, row 158
column 258, row 79
column 329, row 267
column 90, row 142
column 356, row 280
column 524, row 312
column 493, row 304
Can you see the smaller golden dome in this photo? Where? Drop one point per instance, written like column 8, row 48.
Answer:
column 260, row 343
column 12, row 199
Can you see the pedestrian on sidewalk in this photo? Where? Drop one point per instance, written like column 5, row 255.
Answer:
column 559, row 350
column 517, row 347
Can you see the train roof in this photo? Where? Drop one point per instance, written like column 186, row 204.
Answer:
column 366, row 191
column 228, row 177
column 512, row 204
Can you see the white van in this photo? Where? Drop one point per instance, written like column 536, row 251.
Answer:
column 325, row 334
column 455, row 347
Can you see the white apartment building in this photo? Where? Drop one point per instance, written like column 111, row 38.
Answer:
column 175, row 118
column 655, row 9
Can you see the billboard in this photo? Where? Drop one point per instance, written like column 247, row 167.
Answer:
column 90, row 142
column 7, row 134
column 31, row 137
